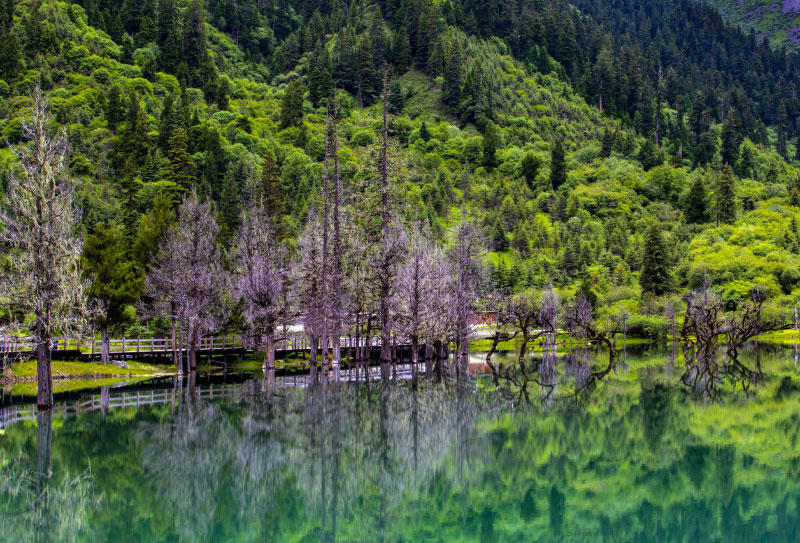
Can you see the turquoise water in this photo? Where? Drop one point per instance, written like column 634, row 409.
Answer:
column 636, row 459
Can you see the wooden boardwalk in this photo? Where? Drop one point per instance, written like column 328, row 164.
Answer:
column 89, row 349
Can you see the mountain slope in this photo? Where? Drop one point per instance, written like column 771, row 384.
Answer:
column 779, row 22
column 208, row 100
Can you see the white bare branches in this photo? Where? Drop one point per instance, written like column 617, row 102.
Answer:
column 261, row 270
column 188, row 282
column 41, row 271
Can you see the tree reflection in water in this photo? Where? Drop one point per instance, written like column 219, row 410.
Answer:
column 419, row 461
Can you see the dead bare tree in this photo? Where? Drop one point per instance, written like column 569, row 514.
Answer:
column 308, row 277
column 261, row 268
column 464, row 254
column 579, row 322
column 188, row 281
column 41, row 273
column 704, row 324
column 415, row 296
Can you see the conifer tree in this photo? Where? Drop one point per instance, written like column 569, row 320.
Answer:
column 273, row 199
column 133, row 140
column 696, row 202
column 558, row 165
column 499, row 237
column 114, row 281
column 115, row 111
column 530, row 166
column 292, row 105
column 180, row 168
column 491, row 141
column 726, row 196
column 607, row 144
column 320, row 80
column 730, row 139
column 656, row 274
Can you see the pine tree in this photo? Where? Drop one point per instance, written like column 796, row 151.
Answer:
column 271, row 190
column 491, row 142
column 608, row 143
column 115, row 112
column 731, row 138
column 558, row 165
column 10, row 55
column 499, row 237
column 726, row 196
column 656, row 274
column 782, row 128
column 696, row 202
column 320, row 80
column 649, row 155
column 230, row 207
column 292, row 105
column 180, row 168
column 530, row 166
column 424, row 133
column 114, row 280
column 133, row 140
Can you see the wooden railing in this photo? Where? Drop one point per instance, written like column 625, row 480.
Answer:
column 91, row 348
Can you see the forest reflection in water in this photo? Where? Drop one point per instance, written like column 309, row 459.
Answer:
column 636, row 460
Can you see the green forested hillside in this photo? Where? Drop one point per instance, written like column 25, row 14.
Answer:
column 777, row 21
column 588, row 155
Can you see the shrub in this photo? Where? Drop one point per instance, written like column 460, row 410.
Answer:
column 648, row 326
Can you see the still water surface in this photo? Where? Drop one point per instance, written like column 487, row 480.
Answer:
column 635, row 460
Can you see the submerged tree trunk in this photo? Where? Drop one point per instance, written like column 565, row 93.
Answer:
column 44, row 371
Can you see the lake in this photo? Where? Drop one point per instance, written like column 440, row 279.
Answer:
column 239, row 458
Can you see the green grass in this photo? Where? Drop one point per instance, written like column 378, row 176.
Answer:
column 64, row 370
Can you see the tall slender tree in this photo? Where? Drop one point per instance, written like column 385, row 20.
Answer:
column 41, row 272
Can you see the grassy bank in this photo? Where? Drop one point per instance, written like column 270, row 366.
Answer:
column 26, row 371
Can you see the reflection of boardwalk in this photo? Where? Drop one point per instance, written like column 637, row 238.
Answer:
column 175, row 394
column 111, row 400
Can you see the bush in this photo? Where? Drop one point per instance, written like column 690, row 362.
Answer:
column 647, row 326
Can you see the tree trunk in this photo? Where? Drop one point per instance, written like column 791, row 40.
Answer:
column 464, row 355
column 414, row 355
column 428, row 358
column 44, row 371
column 269, row 353
column 312, row 357
column 175, row 359
column 105, row 346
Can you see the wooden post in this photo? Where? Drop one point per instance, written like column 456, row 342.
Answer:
column 123, row 346
column 138, row 345
column 93, row 340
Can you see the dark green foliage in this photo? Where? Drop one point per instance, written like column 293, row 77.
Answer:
column 726, row 196
column 608, row 143
column 115, row 282
column 558, row 165
column 292, row 105
column 271, row 192
column 491, row 142
column 530, row 166
column 731, row 138
column 320, row 80
column 498, row 237
column 115, row 111
column 133, row 140
column 650, row 156
column 656, row 274
column 695, row 208
column 179, row 168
